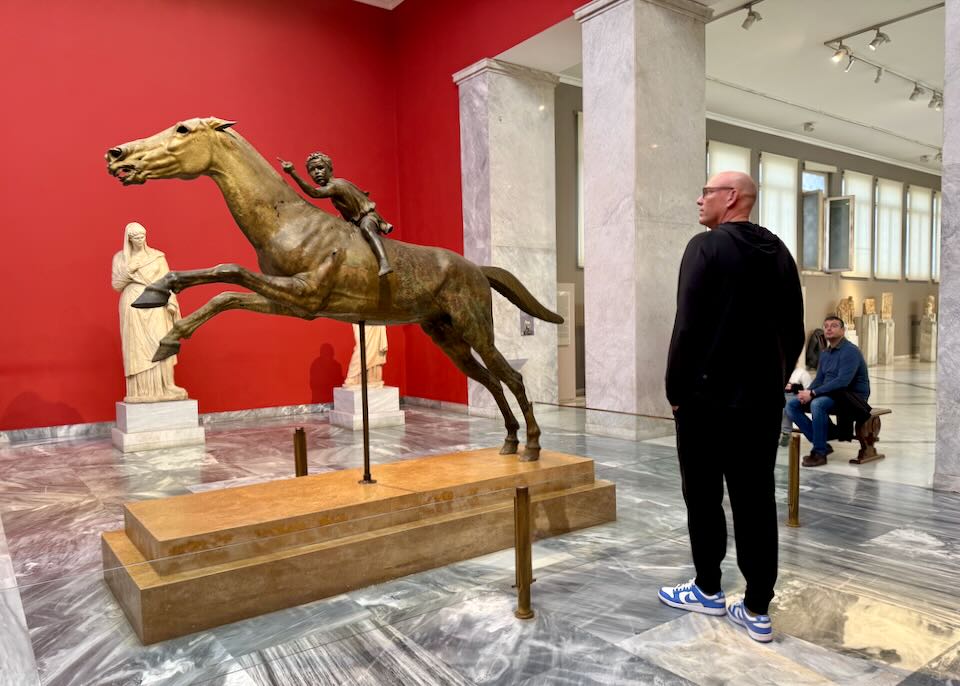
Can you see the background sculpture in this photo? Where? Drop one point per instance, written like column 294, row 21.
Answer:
column 845, row 310
column 134, row 268
column 376, row 357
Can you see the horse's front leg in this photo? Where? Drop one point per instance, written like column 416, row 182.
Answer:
column 305, row 292
column 184, row 328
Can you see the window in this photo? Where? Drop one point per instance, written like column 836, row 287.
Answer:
column 919, row 215
column 860, row 186
column 935, row 242
column 814, row 181
column 778, row 197
column 726, row 157
column 889, row 229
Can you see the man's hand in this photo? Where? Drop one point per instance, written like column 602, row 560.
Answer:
column 788, row 387
column 286, row 166
column 804, row 396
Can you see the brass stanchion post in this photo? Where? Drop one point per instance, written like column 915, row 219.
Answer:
column 524, row 551
column 300, row 452
column 793, row 485
column 367, row 479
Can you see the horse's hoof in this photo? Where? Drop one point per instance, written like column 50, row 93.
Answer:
column 530, row 455
column 510, row 447
column 152, row 297
column 165, row 350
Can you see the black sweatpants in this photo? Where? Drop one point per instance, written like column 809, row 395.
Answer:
column 740, row 446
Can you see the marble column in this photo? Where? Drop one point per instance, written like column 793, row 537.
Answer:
column 946, row 474
column 509, row 209
column 644, row 141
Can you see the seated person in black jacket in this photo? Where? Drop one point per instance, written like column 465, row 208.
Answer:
column 841, row 387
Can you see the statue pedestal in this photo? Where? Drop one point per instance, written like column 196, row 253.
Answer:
column 867, row 328
column 149, row 426
column 928, row 340
column 383, row 404
column 885, row 341
column 193, row 562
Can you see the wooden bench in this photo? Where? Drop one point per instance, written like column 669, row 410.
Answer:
column 868, row 433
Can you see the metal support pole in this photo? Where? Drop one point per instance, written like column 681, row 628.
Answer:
column 366, row 409
column 523, row 544
column 793, row 486
column 300, row 452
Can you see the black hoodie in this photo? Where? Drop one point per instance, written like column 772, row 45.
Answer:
column 739, row 326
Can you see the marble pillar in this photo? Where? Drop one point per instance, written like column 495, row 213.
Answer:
column 868, row 327
column 509, row 209
column 947, row 465
column 644, row 132
column 886, row 337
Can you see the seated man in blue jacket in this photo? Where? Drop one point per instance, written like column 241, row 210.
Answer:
column 841, row 387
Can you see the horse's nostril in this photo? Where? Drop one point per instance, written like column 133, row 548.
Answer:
column 115, row 153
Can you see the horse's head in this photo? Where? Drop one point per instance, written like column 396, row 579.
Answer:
column 184, row 151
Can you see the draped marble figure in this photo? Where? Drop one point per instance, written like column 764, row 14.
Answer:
column 376, row 350
column 134, row 268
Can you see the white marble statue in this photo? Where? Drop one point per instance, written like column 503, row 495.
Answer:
column 135, row 267
column 376, row 357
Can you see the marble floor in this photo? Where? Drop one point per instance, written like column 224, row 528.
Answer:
column 867, row 591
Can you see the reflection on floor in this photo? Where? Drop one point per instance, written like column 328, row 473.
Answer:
column 867, row 591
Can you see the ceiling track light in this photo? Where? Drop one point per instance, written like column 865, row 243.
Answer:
column 879, row 40
column 917, row 91
column 850, row 60
column 936, row 102
column 939, row 156
column 876, row 79
column 752, row 16
column 841, row 52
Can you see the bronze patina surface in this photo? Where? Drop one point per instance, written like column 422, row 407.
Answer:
column 316, row 265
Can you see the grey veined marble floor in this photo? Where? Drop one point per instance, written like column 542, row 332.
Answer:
column 868, row 592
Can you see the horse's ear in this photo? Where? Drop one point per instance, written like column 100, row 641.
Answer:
column 219, row 124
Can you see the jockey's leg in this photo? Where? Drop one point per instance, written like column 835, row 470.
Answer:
column 368, row 227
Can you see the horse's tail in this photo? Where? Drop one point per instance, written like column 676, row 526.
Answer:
column 509, row 286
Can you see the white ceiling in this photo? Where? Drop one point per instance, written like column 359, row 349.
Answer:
column 778, row 75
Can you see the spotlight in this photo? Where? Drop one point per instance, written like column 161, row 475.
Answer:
column 850, row 61
column 917, row 91
column 936, row 102
column 841, row 52
column 879, row 40
column 926, row 158
column 752, row 16
column 939, row 156
column 808, row 126
column 876, row 79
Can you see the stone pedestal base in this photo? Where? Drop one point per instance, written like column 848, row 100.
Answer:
column 383, row 404
column 198, row 561
column 149, row 426
column 928, row 340
column 853, row 337
column 885, row 341
column 867, row 328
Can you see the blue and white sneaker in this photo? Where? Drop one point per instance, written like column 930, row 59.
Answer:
column 688, row 596
column 759, row 627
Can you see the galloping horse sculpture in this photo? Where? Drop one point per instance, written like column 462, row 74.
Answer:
column 317, row 265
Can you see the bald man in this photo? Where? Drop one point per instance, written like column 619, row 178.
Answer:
column 737, row 334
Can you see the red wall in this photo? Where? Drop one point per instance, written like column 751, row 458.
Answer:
column 370, row 87
column 79, row 77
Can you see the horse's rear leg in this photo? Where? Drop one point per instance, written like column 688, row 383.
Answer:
column 500, row 368
column 457, row 350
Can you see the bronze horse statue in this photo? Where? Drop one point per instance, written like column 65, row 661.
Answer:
column 317, row 265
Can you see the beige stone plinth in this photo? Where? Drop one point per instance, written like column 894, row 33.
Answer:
column 197, row 561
